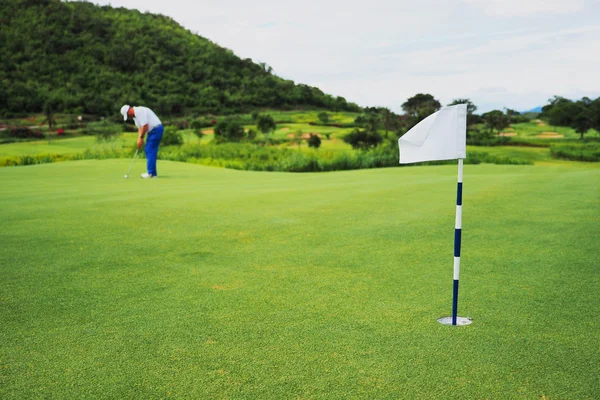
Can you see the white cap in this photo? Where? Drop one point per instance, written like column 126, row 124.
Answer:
column 124, row 110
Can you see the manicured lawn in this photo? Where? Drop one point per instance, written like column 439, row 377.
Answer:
column 54, row 146
column 65, row 145
column 312, row 116
column 534, row 154
column 213, row 283
column 541, row 130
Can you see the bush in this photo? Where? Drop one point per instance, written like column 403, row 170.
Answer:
column 314, row 141
column 103, row 130
column 476, row 137
column 171, row 137
column 589, row 151
column 129, row 128
column 362, row 139
column 266, row 124
column 198, row 134
column 229, row 130
column 250, row 156
column 323, row 117
column 201, row 123
column 489, row 141
column 23, row 132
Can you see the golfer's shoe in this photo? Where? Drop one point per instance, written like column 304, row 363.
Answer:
column 146, row 175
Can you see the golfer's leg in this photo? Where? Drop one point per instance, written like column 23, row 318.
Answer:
column 152, row 154
column 153, row 143
column 147, row 150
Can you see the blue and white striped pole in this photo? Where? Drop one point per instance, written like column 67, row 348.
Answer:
column 457, row 237
column 454, row 320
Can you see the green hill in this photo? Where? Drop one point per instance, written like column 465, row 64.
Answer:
column 81, row 58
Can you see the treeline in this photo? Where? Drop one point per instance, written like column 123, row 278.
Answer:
column 80, row 58
column 370, row 124
column 581, row 115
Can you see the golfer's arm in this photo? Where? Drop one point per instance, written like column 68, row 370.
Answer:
column 142, row 131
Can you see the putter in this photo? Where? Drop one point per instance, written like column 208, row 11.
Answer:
column 131, row 165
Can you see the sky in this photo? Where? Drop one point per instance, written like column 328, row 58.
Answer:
column 513, row 54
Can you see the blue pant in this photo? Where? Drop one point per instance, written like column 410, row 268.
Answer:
column 151, row 149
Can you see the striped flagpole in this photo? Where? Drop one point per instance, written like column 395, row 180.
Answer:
column 454, row 320
column 457, row 237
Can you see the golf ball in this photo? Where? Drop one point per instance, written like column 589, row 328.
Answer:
column 125, row 176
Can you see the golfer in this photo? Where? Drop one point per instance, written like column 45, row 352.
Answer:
column 146, row 122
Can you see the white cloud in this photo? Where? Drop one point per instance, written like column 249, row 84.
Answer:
column 392, row 49
column 517, row 8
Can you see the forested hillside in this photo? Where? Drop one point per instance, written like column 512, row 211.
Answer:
column 79, row 57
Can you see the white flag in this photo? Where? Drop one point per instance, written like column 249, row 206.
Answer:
column 440, row 136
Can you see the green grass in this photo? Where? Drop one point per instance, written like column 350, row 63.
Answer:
column 534, row 128
column 213, row 283
column 533, row 154
column 306, row 116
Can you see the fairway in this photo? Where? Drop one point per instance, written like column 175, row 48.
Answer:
column 215, row 283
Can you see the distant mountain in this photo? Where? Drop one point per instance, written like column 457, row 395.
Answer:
column 80, row 57
column 533, row 110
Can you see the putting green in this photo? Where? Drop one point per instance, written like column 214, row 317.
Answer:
column 215, row 283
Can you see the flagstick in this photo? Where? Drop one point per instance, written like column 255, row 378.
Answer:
column 457, row 237
column 454, row 320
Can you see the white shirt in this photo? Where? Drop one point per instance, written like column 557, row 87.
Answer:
column 143, row 116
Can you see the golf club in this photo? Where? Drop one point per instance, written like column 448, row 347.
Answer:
column 136, row 153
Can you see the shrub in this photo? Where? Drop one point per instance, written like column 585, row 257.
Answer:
column 23, row 132
column 362, row 139
column 589, row 151
column 476, row 137
column 323, row 117
column 314, row 141
column 489, row 141
column 103, row 130
column 129, row 128
column 266, row 124
column 229, row 130
column 198, row 134
column 171, row 137
column 200, row 123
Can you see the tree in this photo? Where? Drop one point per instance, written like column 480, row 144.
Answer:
column 581, row 115
column 471, row 108
column 266, row 124
column 419, row 107
column 363, row 139
column 389, row 120
column 560, row 111
column 229, row 130
column 314, row 141
column 104, row 130
column 496, row 120
column 86, row 51
column 199, row 134
column 49, row 114
column 369, row 119
column 251, row 134
column 298, row 138
column 595, row 114
column 582, row 121
column 323, row 117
